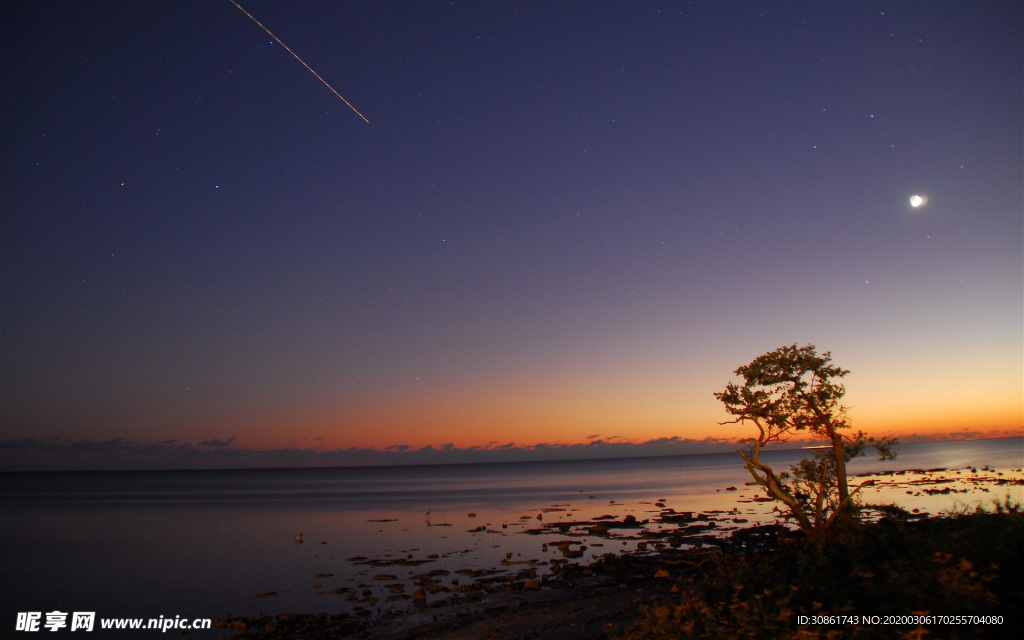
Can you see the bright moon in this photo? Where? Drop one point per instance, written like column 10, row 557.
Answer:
column 918, row 201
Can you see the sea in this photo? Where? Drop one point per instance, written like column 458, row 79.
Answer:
column 216, row 543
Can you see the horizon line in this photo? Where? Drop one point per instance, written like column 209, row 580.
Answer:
column 123, row 454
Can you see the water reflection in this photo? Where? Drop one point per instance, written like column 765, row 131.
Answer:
column 203, row 544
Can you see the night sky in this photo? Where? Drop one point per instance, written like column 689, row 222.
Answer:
column 565, row 224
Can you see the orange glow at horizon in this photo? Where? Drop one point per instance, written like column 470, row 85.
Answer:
column 629, row 405
column 486, row 423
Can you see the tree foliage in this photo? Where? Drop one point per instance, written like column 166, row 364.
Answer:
column 794, row 391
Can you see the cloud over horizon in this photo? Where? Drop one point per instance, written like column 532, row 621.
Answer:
column 123, row 453
column 60, row 454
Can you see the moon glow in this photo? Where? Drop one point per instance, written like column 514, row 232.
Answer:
column 917, row 201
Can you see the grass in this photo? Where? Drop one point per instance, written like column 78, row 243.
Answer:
column 960, row 564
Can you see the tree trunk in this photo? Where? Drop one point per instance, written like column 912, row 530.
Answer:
column 839, row 453
column 775, row 489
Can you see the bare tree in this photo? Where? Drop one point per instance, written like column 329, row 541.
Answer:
column 786, row 392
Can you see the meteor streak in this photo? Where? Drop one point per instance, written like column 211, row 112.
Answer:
column 326, row 84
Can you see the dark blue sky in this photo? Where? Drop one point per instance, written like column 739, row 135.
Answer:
column 564, row 222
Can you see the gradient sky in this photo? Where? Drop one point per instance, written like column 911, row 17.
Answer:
column 565, row 223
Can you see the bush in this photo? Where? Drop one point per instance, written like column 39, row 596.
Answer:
column 967, row 564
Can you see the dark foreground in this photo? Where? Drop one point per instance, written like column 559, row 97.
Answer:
column 758, row 583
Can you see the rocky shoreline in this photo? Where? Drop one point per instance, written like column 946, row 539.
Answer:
column 569, row 600
column 605, row 592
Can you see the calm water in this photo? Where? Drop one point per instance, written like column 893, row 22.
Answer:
column 202, row 543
